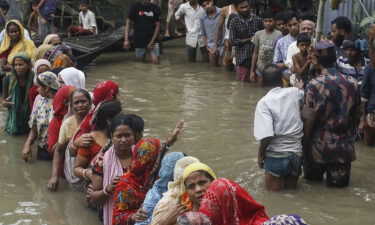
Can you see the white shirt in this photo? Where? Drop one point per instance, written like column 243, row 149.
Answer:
column 88, row 20
column 277, row 115
column 192, row 17
column 292, row 50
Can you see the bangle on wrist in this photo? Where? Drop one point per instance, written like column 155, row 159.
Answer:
column 84, row 174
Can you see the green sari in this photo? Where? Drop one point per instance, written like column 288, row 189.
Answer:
column 19, row 113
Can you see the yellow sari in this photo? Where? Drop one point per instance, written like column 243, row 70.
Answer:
column 23, row 45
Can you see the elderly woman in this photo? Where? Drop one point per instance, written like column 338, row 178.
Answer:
column 16, row 89
column 14, row 42
column 41, row 116
column 225, row 203
column 40, row 66
column 169, row 207
column 52, row 39
column 72, row 76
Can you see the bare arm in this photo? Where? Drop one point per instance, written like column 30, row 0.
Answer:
column 5, row 66
column 58, row 158
column 255, row 58
column 80, row 167
column 98, row 196
column 26, row 152
column 308, row 127
column 264, row 143
column 219, row 29
column 156, row 33
column 41, row 3
column 129, row 24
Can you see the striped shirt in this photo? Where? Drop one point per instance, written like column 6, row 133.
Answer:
column 345, row 68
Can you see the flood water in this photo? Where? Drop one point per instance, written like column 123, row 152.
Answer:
column 218, row 112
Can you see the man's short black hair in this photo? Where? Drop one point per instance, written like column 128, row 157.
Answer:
column 268, row 14
column 343, row 22
column 307, row 16
column 272, row 76
column 289, row 16
column 4, row 5
column 280, row 16
column 303, row 38
column 237, row 2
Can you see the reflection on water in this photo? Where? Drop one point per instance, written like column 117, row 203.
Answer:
column 219, row 120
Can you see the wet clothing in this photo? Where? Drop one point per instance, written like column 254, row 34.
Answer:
column 225, row 202
column 145, row 18
column 284, row 166
column 239, row 30
column 331, row 100
column 209, row 27
column 90, row 152
column 337, row 175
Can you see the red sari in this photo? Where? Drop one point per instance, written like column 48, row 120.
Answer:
column 226, row 203
column 104, row 91
column 133, row 186
column 59, row 111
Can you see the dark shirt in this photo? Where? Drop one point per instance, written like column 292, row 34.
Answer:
column 239, row 30
column 145, row 18
column 48, row 8
column 346, row 68
column 332, row 102
column 368, row 89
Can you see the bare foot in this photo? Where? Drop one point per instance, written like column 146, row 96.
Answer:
column 178, row 34
column 167, row 34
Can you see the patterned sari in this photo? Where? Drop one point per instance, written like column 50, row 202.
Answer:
column 133, row 186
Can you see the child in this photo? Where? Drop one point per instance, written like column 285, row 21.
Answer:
column 301, row 63
column 4, row 7
column 279, row 128
column 264, row 43
column 33, row 21
column 87, row 22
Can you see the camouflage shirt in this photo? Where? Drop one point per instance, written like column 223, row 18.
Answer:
column 331, row 100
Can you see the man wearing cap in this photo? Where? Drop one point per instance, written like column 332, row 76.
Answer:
column 330, row 114
column 354, row 63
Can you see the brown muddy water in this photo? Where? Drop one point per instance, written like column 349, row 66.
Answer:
column 218, row 112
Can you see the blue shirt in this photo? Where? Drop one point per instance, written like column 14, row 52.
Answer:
column 209, row 26
column 281, row 50
column 368, row 89
column 48, row 9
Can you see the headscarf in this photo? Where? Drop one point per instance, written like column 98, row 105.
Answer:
column 41, row 62
column 19, row 113
column 193, row 218
column 52, row 54
column 104, row 91
column 62, row 60
column 175, row 190
column 23, row 44
column 290, row 219
column 73, row 76
column 133, row 186
column 41, row 51
column 59, row 112
column 48, row 38
column 227, row 203
column 161, row 185
column 50, row 80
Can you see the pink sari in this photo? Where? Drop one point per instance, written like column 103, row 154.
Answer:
column 112, row 168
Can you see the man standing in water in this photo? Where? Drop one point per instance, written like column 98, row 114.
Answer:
column 279, row 128
column 193, row 13
column 146, row 17
column 341, row 27
column 330, row 114
column 242, row 30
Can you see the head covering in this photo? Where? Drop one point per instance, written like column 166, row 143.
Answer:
column 324, row 45
column 103, row 91
column 349, row 44
column 50, row 80
column 23, row 45
column 74, row 77
column 225, row 202
column 172, row 197
column 52, row 54
column 60, row 109
column 41, row 51
column 62, row 60
column 161, row 185
column 131, row 189
column 48, row 38
column 24, row 56
column 41, row 62
column 290, row 219
column 197, row 167
column 193, row 218
column 19, row 114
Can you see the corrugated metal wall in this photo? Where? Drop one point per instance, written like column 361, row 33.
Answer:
column 350, row 9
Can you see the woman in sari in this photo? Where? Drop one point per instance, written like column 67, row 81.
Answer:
column 102, row 117
column 14, row 42
column 227, row 203
column 40, row 66
column 41, row 116
column 80, row 104
column 52, row 39
column 41, row 52
column 104, row 91
column 161, row 185
column 168, row 208
column 72, row 76
column 16, row 88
